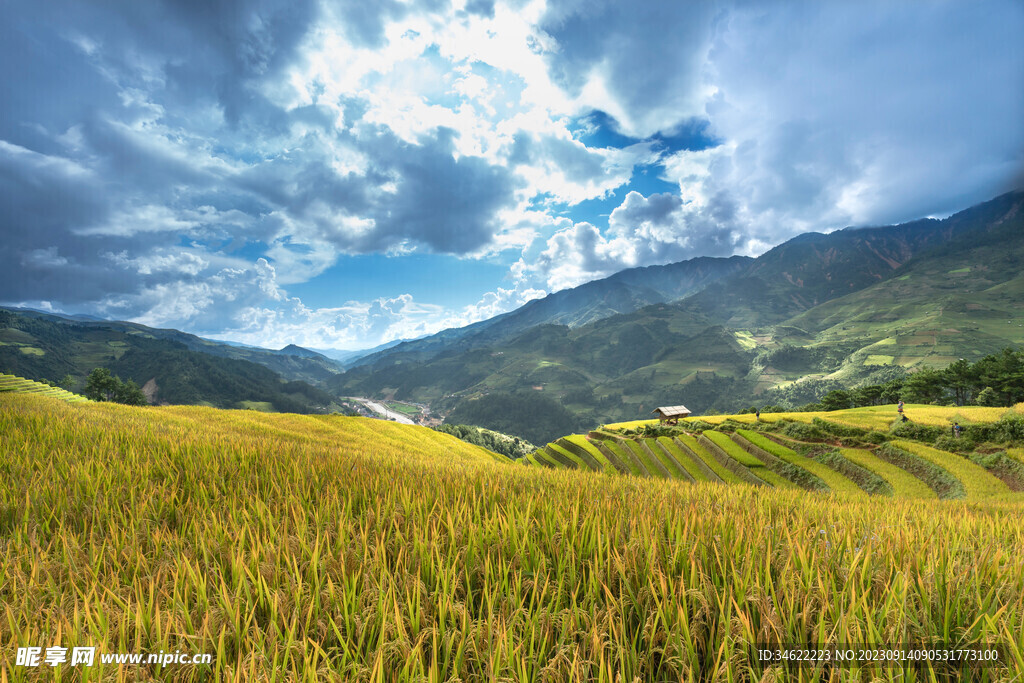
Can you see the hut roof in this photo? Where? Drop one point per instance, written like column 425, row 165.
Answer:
column 671, row 411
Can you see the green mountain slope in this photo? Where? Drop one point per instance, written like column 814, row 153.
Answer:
column 844, row 306
column 963, row 300
column 292, row 362
column 38, row 346
column 623, row 292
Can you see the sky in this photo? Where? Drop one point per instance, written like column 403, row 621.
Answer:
column 339, row 174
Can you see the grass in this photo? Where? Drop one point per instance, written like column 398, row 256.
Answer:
column 978, row 483
column 564, row 457
column 262, row 406
column 726, row 444
column 835, row 481
column 406, row 409
column 668, row 461
column 626, row 456
column 904, row 484
column 651, row 466
column 314, row 548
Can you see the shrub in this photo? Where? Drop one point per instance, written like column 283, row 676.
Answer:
column 836, row 429
column 949, row 443
column 699, row 425
column 803, row 431
column 918, row 432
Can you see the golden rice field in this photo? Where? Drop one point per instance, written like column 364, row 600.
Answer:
column 317, row 548
column 873, row 417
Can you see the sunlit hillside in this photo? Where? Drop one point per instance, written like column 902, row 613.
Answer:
column 345, row 549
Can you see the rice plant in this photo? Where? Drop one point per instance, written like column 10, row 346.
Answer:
column 320, row 548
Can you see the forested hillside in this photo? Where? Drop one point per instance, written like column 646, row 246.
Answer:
column 816, row 314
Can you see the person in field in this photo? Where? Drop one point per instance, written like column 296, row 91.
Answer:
column 899, row 407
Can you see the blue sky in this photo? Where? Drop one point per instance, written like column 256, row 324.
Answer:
column 340, row 174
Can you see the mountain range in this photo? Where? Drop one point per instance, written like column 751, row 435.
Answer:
column 818, row 311
column 852, row 306
column 171, row 366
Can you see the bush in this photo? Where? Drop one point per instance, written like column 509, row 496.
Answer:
column 875, row 437
column 954, row 445
column 803, row 431
column 836, row 429
column 699, row 425
column 917, row 432
column 1009, row 429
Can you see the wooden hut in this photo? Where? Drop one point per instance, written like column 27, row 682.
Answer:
column 671, row 414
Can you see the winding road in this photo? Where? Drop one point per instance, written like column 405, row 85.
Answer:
column 384, row 411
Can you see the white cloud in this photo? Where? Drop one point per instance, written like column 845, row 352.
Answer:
column 836, row 115
column 162, row 260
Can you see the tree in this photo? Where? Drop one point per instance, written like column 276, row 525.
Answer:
column 960, row 377
column 102, row 386
column 868, row 396
column 924, row 386
column 1004, row 373
column 837, row 399
column 130, row 394
column 988, row 397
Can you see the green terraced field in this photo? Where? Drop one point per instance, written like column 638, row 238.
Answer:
column 835, row 481
column 624, row 456
column 904, row 484
column 674, row 469
column 752, row 464
column 588, row 452
column 11, row 383
column 696, row 472
column 647, row 459
column 883, row 465
column 690, row 443
column 978, row 483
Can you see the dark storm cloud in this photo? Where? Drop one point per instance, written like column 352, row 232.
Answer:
column 131, row 129
column 445, row 203
column 648, row 54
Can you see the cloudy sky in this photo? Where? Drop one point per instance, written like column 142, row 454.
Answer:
column 341, row 173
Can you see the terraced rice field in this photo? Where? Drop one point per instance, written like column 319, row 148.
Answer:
column 722, row 443
column 978, row 484
column 874, row 417
column 14, row 384
column 834, row 480
column 326, row 548
column 901, row 469
column 902, row 483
